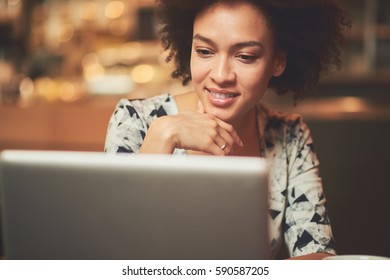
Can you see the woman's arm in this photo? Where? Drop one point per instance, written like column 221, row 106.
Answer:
column 155, row 126
column 307, row 225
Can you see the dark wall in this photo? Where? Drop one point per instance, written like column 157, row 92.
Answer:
column 354, row 157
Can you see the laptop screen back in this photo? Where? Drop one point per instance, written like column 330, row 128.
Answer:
column 76, row 205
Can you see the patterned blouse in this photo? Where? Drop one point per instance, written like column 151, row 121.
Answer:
column 297, row 205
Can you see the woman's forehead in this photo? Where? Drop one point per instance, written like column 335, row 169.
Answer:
column 237, row 20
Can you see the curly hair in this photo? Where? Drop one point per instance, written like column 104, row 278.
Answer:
column 310, row 32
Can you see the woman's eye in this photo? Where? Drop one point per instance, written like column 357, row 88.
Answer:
column 247, row 58
column 203, row 52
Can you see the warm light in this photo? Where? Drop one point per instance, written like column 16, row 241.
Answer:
column 93, row 70
column 143, row 73
column 352, row 104
column 65, row 33
column 7, row 71
column 90, row 59
column 108, row 56
column 114, row 9
column 13, row 2
column 67, row 91
column 92, row 66
column 119, row 27
column 90, row 11
column 26, row 89
column 47, row 89
column 110, row 84
column 130, row 52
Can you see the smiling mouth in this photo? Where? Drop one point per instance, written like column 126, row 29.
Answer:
column 222, row 95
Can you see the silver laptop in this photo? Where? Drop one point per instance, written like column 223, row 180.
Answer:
column 84, row 205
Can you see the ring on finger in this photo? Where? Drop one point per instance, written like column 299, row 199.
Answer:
column 223, row 146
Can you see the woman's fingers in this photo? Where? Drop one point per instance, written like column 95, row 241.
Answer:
column 231, row 131
column 218, row 137
column 191, row 131
column 224, row 125
column 226, row 141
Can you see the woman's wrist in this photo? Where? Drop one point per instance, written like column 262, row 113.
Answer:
column 160, row 138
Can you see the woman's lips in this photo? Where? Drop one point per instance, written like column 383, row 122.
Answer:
column 221, row 98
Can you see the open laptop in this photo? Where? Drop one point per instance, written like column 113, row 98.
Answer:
column 84, row 205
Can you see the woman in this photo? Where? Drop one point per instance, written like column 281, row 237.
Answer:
column 233, row 51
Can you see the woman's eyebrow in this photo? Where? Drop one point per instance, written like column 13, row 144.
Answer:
column 203, row 39
column 236, row 46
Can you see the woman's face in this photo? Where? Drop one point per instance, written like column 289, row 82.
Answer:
column 232, row 59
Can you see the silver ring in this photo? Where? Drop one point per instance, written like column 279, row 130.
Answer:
column 223, row 146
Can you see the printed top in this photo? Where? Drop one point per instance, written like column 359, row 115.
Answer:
column 297, row 205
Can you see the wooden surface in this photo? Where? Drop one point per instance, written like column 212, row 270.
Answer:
column 76, row 126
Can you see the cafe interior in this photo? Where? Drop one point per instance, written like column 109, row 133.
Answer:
column 64, row 64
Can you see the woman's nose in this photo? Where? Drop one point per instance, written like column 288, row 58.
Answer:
column 222, row 71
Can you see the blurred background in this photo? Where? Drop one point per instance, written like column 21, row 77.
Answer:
column 64, row 64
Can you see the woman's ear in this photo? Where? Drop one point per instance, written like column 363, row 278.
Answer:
column 280, row 63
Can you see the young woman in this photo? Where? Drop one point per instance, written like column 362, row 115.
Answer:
column 233, row 51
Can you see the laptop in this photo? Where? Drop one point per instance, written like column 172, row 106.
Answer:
column 87, row 205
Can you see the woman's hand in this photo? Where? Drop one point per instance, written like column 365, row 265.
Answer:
column 195, row 131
